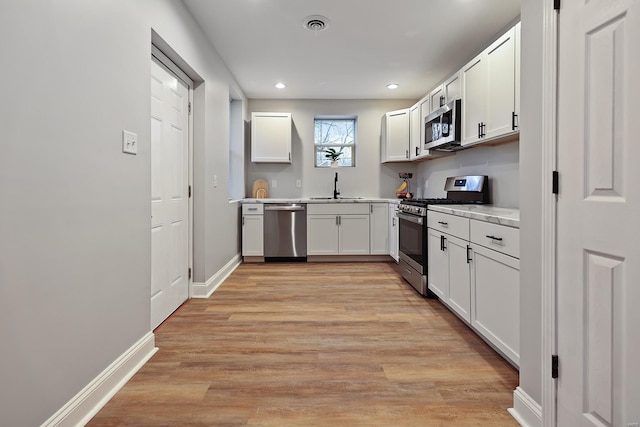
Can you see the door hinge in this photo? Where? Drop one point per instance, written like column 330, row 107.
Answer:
column 554, row 366
column 555, row 182
column 189, row 107
column 189, row 272
column 189, row 191
column 556, row 5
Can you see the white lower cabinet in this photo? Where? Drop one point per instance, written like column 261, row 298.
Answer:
column 338, row 229
column 378, row 227
column 449, row 274
column 252, row 230
column 394, row 232
column 477, row 276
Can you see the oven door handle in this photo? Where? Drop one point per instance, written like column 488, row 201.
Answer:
column 411, row 218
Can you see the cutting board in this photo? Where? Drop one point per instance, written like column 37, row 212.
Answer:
column 260, row 189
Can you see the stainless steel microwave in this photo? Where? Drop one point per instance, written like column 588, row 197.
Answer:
column 442, row 128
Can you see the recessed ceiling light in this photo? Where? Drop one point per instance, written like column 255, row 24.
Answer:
column 280, row 85
column 392, row 86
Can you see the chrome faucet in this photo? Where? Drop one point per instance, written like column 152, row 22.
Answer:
column 335, row 187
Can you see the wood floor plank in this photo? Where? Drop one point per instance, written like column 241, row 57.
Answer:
column 314, row 344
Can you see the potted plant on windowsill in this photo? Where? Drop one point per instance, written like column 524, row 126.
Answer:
column 333, row 155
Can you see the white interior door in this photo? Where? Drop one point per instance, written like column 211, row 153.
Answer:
column 598, row 257
column 169, row 193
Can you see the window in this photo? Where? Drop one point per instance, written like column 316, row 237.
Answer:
column 339, row 133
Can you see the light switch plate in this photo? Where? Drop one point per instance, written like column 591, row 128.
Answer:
column 274, row 183
column 129, row 142
column 298, row 183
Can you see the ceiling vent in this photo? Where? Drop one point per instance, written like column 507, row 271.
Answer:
column 316, row 23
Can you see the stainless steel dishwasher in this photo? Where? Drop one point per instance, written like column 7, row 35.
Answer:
column 285, row 232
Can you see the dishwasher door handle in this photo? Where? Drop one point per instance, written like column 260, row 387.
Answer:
column 285, row 208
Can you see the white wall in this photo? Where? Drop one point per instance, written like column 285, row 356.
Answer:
column 499, row 163
column 368, row 178
column 75, row 212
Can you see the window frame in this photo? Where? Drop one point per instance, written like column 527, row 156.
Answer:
column 317, row 147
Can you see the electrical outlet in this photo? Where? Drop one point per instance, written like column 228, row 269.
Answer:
column 274, row 183
column 298, row 183
column 129, row 142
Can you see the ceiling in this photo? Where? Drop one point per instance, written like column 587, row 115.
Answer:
column 367, row 44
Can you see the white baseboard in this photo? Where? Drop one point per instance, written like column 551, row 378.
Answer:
column 84, row 405
column 526, row 411
column 204, row 290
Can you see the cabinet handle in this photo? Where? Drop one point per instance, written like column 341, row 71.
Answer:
column 483, row 130
column 513, row 120
column 289, row 155
column 337, row 220
column 479, row 130
column 370, row 208
column 443, row 241
column 243, row 221
column 494, row 238
column 468, row 257
column 406, row 153
column 446, row 224
column 393, row 221
column 417, row 148
column 441, row 101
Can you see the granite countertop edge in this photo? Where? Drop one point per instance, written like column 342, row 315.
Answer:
column 311, row 200
column 488, row 213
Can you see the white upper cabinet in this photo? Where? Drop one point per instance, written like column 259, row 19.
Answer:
column 271, row 137
column 452, row 88
column 395, row 146
column 415, row 124
column 489, row 83
column 436, row 99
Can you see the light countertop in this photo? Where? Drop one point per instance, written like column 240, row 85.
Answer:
column 488, row 213
column 323, row 200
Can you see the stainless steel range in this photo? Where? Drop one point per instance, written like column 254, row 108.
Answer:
column 412, row 214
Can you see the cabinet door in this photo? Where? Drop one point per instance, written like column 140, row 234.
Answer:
column 394, row 232
column 495, row 291
column 322, row 234
column 415, row 124
column 436, row 99
column 397, row 136
column 271, row 137
column 379, row 229
column 424, row 112
column 501, row 59
column 517, row 74
column 452, row 88
column 252, row 235
column 354, row 235
column 459, row 298
column 474, row 99
column 438, row 262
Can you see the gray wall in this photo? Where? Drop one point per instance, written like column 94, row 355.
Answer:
column 499, row 163
column 369, row 177
column 75, row 212
column 531, row 202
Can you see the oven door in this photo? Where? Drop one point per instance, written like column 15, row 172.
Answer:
column 413, row 241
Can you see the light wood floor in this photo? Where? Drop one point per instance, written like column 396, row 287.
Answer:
column 311, row 344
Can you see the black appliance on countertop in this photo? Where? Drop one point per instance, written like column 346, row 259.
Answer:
column 412, row 215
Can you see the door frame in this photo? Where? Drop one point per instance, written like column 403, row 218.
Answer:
column 550, row 50
column 169, row 65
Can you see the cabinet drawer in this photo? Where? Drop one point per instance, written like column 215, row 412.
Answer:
column 338, row 208
column 253, row 209
column 497, row 237
column 455, row 225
